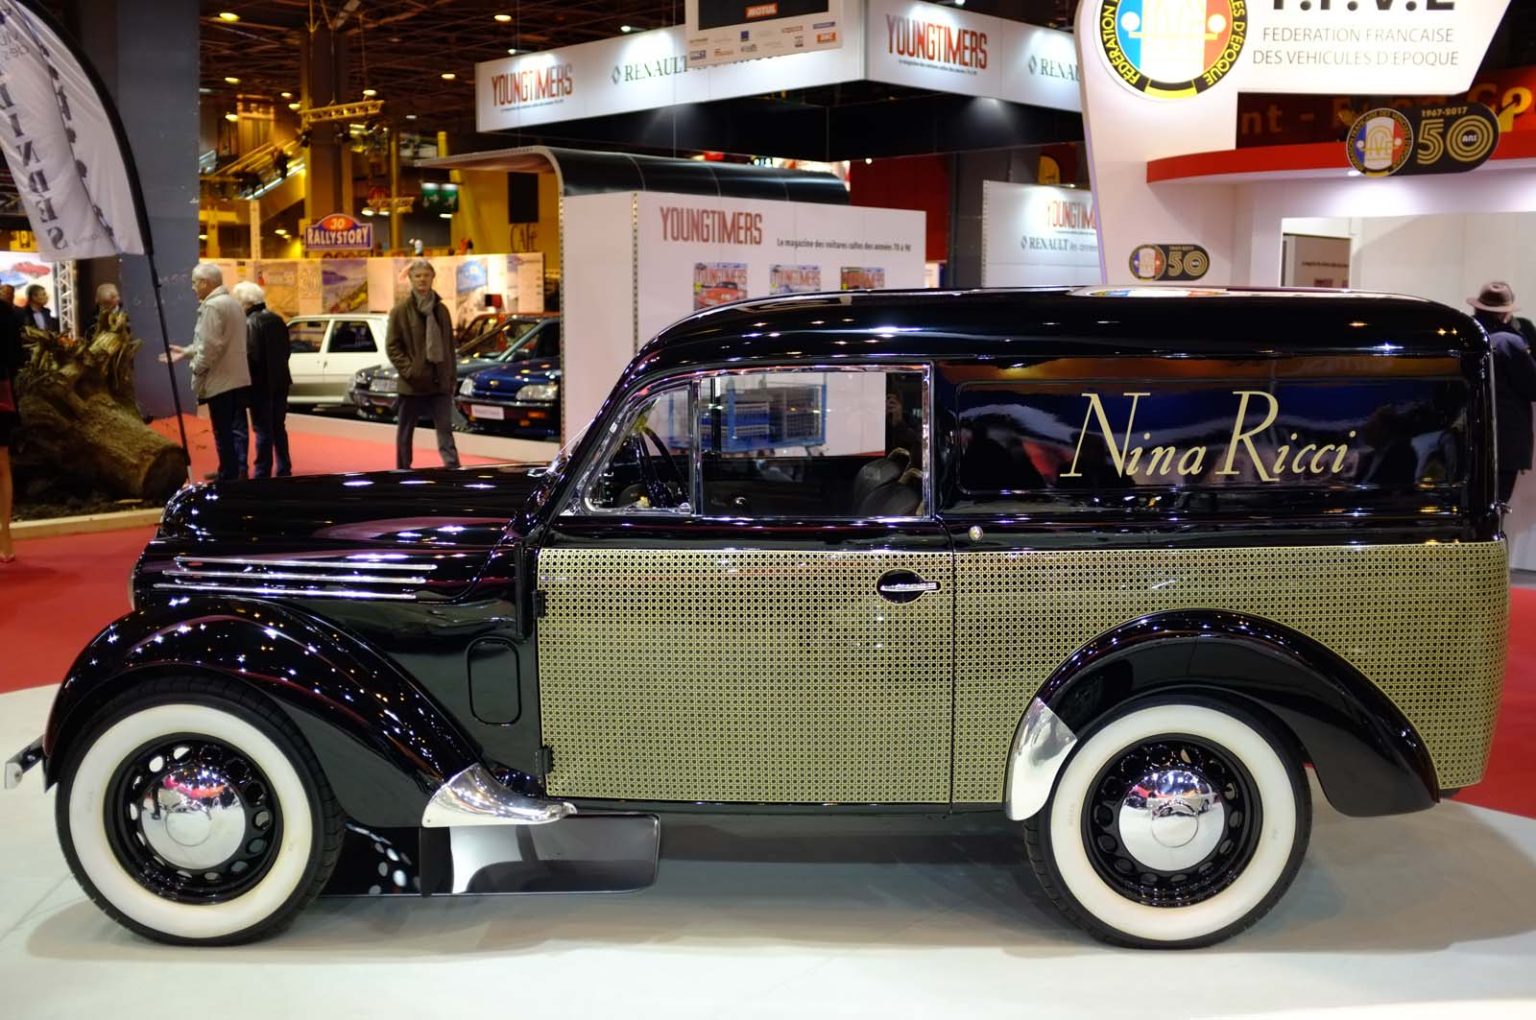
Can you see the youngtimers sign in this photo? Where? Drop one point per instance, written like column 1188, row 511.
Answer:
column 1175, row 49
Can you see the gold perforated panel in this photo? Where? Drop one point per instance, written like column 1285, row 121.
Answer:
column 678, row 675
column 1427, row 624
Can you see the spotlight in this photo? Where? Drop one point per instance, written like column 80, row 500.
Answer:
column 448, row 76
column 229, row 16
column 286, row 95
column 232, row 81
column 232, row 117
column 293, row 106
column 626, row 29
column 503, row 17
column 370, row 93
column 511, row 51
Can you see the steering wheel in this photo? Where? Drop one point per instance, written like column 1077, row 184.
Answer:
column 663, row 481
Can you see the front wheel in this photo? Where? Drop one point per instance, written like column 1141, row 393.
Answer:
column 194, row 813
column 1173, row 825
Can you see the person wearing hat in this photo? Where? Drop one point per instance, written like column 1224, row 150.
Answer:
column 1514, row 382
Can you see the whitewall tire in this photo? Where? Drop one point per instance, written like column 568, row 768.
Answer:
column 1173, row 825
column 194, row 813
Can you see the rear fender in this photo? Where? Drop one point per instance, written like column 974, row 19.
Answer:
column 1368, row 758
column 384, row 744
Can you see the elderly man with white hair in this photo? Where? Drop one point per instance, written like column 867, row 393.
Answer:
column 221, row 377
column 420, row 345
column 267, row 350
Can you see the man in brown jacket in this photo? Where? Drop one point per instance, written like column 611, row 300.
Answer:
column 420, row 346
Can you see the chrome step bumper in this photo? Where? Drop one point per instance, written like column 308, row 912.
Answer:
column 17, row 765
column 474, row 797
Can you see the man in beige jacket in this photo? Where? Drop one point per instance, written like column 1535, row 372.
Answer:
column 221, row 376
column 419, row 342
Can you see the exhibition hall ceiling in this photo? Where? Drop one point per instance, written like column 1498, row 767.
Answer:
column 402, row 48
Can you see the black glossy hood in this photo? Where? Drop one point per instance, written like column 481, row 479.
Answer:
column 430, row 509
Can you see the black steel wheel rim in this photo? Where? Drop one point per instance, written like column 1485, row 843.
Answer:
column 1204, row 879
column 231, row 877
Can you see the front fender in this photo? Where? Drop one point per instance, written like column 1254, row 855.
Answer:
column 1368, row 758
column 384, row 744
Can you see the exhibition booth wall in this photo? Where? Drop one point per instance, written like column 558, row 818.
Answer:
column 637, row 261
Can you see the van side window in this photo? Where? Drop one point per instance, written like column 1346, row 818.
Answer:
column 1217, row 426
column 813, row 444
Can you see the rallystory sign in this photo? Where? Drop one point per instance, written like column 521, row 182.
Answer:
column 338, row 232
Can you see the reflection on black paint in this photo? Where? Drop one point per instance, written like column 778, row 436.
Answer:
column 1397, row 435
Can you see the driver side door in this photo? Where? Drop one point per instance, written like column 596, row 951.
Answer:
column 699, row 648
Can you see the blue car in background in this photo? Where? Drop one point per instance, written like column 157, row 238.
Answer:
column 487, row 341
column 520, row 394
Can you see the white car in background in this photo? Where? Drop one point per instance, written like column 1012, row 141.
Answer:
column 328, row 350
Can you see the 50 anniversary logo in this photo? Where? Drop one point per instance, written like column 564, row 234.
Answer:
column 1172, row 49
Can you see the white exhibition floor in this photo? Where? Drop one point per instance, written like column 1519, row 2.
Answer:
column 1430, row 915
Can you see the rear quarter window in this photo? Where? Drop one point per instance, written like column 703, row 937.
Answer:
column 1315, row 425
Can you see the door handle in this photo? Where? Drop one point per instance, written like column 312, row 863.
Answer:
column 903, row 586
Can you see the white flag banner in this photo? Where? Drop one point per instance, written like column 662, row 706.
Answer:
column 61, row 145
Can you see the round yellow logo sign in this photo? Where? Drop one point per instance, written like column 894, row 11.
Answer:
column 1172, row 49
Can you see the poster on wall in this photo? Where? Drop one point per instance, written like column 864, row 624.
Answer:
column 725, row 31
column 344, row 285
column 23, row 269
column 525, row 282
column 718, row 283
column 1034, row 235
column 280, row 279
column 794, row 279
column 862, row 278
column 1312, row 261
column 310, row 289
column 473, row 284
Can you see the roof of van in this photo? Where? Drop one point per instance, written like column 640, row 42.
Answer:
column 1058, row 322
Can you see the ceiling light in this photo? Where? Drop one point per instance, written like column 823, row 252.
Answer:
column 202, row 237
column 410, row 116
column 503, row 17
column 232, row 116
column 293, row 106
column 281, row 231
column 448, row 76
column 232, row 81
column 626, row 28
column 228, row 16
column 370, row 92
column 367, row 211
column 286, row 95
column 445, row 215
column 511, row 51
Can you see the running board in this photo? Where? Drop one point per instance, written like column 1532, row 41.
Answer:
column 475, row 797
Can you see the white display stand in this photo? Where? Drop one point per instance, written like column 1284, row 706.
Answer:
column 637, row 261
column 1034, row 235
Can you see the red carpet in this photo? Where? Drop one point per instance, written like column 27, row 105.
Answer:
column 61, row 591
column 311, row 454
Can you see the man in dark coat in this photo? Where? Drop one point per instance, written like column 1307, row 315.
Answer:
column 1514, row 382
column 419, row 342
column 266, row 347
column 35, row 313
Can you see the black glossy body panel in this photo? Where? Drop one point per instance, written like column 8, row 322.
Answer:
column 1367, row 757
column 384, row 743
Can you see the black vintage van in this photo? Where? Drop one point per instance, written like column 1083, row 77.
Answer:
column 1117, row 565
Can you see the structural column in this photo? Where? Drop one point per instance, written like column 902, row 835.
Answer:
column 324, row 83
column 149, row 65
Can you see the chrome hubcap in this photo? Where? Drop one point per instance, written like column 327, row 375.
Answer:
column 192, row 820
column 1171, row 820
column 193, row 817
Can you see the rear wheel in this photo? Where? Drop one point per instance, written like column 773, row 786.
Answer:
column 194, row 813
column 1173, row 825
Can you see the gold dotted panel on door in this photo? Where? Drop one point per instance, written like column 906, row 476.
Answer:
column 1427, row 624
column 681, row 675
